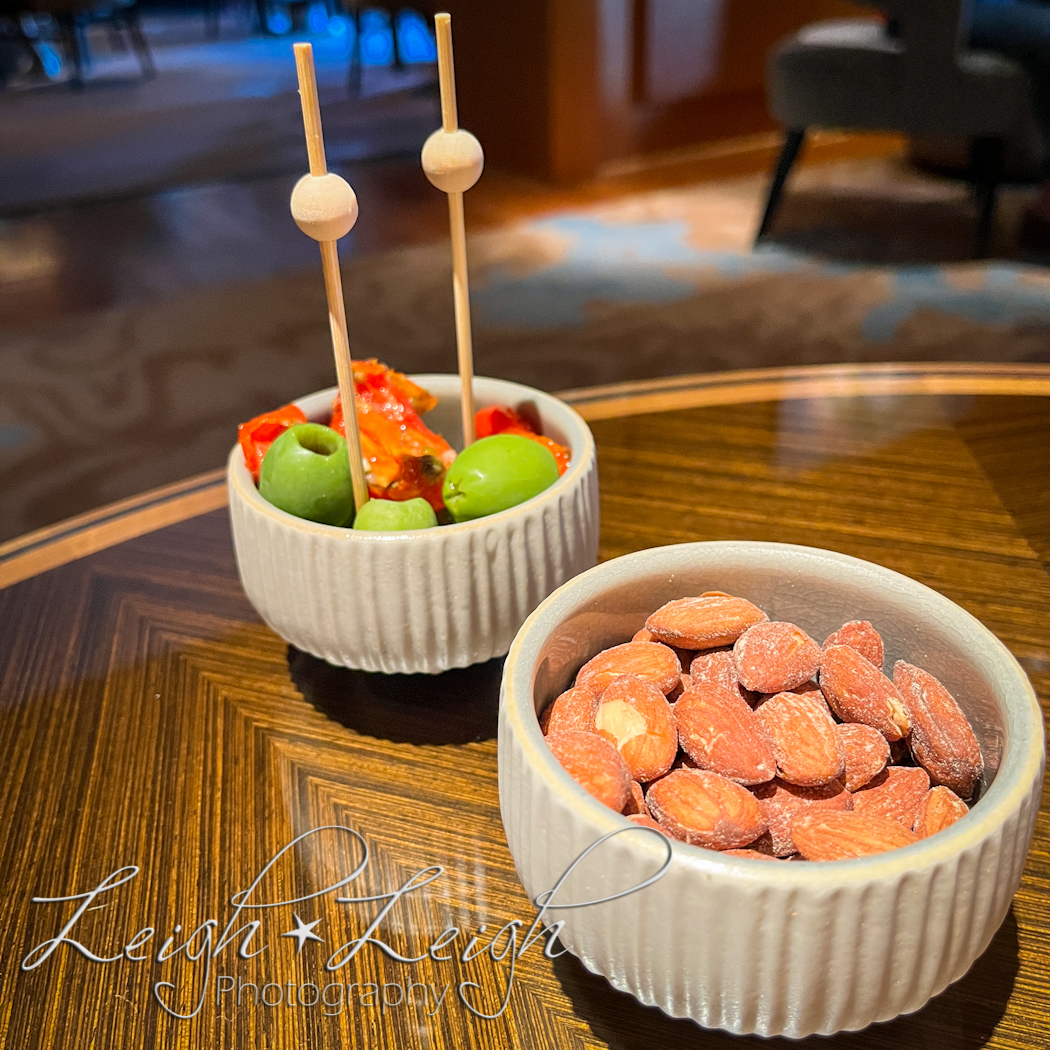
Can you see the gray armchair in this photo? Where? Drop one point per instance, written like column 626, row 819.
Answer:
column 913, row 75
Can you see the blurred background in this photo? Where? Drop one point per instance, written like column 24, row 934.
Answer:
column 154, row 290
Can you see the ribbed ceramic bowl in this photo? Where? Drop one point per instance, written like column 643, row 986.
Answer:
column 431, row 599
column 755, row 946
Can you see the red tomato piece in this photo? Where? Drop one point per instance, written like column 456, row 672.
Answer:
column 258, row 434
column 497, row 419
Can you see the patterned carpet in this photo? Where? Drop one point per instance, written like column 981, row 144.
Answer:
column 869, row 264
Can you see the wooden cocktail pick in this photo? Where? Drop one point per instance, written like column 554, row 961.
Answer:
column 452, row 160
column 324, row 207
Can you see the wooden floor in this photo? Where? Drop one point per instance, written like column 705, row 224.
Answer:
column 79, row 259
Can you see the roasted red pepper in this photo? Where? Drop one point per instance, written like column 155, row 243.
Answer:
column 495, row 420
column 500, row 419
column 258, row 434
column 403, row 457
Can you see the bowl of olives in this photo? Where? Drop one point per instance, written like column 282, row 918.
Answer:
column 394, row 591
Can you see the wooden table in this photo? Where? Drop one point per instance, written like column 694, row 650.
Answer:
column 149, row 719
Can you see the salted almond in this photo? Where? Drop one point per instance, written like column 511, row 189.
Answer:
column 654, row 663
column 942, row 740
column 594, row 764
column 545, row 717
column 642, row 636
column 895, row 794
column 807, row 749
column 781, row 802
column 775, row 656
column 703, row 623
column 719, row 732
column 866, row 752
column 857, row 691
column 635, row 801
column 764, row 842
column 859, row 635
column 747, row 854
column 635, row 717
column 940, row 809
column 841, row 836
column 705, row 809
column 684, row 682
column 717, row 668
column 646, row 821
column 574, row 709
column 810, row 689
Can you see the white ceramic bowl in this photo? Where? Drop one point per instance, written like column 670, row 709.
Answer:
column 754, row 946
column 431, row 599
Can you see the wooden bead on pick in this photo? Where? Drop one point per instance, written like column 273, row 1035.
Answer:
column 452, row 160
column 324, row 206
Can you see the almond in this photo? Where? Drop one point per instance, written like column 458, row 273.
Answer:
column 866, row 751
column 807, row 749
column 706, row 622
column 895, row 794
column 774, row 656
column 717, row 668
column 718, row 731
column 941, row 808
column 810, row 689
column 635, row 717
column 840, row 836
column 655, row 663
column 859, row 635
column 942, row 740
column 764, row 842
column 705, row 809
column 642, row 636
column 635, row 802
column 857, row 691
column 747, row 854
column 781, row 802
column 545, row 718
column 645, row 821
column 574, row 709
column 594, row 764
column 684, row 682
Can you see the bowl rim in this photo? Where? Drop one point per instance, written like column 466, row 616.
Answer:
column 579, row 436
column 1021, row 763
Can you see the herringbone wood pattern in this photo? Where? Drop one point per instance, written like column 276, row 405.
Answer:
column 147, row 717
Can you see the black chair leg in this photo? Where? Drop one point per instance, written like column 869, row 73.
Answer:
column 27, row 45
column 986, row 162
column 399, row 64
column 72, row 42
column 212, row 18
column 355, row 72
column 133, row 26
column 788, row 155
column 261, row 14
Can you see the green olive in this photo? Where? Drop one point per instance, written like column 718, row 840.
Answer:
column 387, row 515
column 496, row 473
column 306, row 472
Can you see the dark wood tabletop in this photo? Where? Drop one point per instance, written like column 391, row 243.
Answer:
column 161, row 748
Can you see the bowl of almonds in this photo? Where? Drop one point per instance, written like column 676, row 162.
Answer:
column 774, row 789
